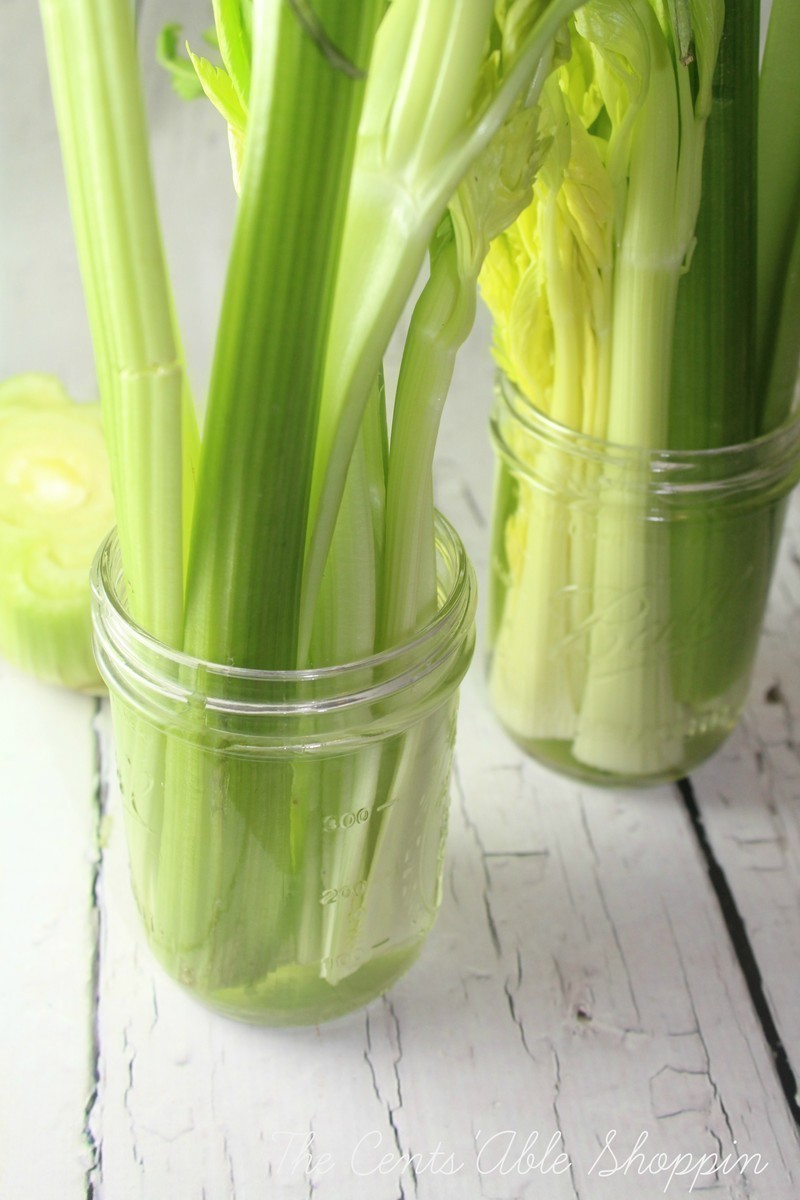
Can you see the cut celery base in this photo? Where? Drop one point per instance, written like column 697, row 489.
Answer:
column 559, row 756
column 298, row 995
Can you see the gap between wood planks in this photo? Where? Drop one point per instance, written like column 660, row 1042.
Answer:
column 100, row 801
column 737, row 932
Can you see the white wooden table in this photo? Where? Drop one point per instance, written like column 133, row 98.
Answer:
column 608, row 1005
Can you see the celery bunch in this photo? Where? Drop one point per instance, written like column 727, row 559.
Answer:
column 632, row 304
column 298, row 531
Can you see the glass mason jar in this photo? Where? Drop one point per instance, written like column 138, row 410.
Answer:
column 627, row 591
column 286, row 829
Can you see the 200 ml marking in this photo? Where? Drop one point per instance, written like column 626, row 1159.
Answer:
column 345, row 892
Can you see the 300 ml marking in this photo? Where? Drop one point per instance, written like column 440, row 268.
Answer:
column 346, row 821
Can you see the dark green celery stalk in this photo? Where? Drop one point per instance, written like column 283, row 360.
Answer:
column 785, row 365
column 246, row 560
column 715, row 398
column 779, row 214
column 232, row 830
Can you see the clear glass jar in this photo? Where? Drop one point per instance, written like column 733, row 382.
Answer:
column 627, row 591
column 286, row 829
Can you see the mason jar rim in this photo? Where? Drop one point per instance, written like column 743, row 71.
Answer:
column 753, row 464
column 159, row 667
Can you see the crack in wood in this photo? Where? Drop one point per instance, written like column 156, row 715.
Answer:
column 557, row 1115
column 474, row 830
column 99, row 800
column 404, row 1156
column 745, row 955
column 399, row 1089
column 512, row 1008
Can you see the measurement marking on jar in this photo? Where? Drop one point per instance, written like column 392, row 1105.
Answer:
column 347, row 821
column 348, row 959
column 388, row 804
column 345, row 892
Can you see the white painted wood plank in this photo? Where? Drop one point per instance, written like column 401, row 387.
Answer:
column 749, row 797
column 47, row 938
column 47, row 745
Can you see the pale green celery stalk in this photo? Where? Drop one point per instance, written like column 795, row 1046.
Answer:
column 630, row 718
column 349, row 599
column 100, row 112
column 421, row 767
column 549, row 287
column 418, row 137
column 249, row 530
column 496, row 188
column 778, row 294
column 495, row 191
column 148, row 415
column 442, row 319
column 344, row 631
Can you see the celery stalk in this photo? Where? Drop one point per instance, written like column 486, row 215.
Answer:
column 244, row 533
column 411, row 158
column 630, row 719
column 97, row 95
column 715, row 399
column 442, row 318
column 628, row 688
column 245, row 566
column 596, row 353
column 778, row 293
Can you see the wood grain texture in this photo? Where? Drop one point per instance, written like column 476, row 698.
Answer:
column 48, row 936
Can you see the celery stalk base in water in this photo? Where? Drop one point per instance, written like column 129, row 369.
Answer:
column 286, row 829
column 296, row 920
column 644, row 710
